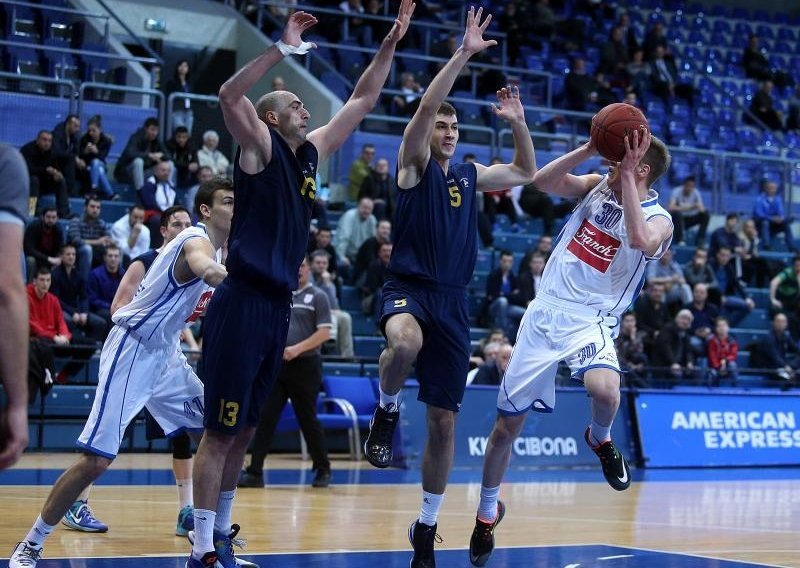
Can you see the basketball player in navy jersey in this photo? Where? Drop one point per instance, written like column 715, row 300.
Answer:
column 248, row 317
column 424, row 305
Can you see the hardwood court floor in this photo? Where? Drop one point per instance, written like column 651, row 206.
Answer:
column 746, row 517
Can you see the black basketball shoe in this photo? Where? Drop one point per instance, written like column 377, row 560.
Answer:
column 378, row 445
column 481, row 544
column 615, row 468
column 422, row 538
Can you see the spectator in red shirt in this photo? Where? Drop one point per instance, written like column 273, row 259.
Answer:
column 46, row 318
column 722, row 352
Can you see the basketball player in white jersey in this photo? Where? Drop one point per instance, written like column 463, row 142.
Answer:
column 141, row 363
column 596, row 270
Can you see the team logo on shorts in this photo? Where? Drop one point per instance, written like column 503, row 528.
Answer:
column 593, row 246
column 401, row 303
column 201, row 306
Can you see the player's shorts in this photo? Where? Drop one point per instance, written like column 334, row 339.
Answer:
column 552, row 331
column 244, row 338
column 443, row 360
column 134, row 376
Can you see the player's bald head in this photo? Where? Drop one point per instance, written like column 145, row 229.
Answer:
column 274, row 101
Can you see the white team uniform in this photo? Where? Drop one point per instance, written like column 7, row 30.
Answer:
column 593, row 275
column 141, row 363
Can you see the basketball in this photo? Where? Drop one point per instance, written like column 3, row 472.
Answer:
column 611, row 125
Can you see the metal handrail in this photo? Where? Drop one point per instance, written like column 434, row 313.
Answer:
column 192, row 97
column 129, row 31
column 83, row 52
column 71, row 88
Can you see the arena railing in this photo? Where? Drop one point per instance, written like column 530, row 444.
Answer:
column 66, row 89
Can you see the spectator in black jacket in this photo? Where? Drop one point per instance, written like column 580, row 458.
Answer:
column 43, row 167
column 673, row 348
column 321, row 240
column 368, row 251
column 94, row 148
column 376, row 277
column 491, row 373
column 630, row 350
column 735, row 301
column 501, row 294
column 43, row 241
column 66, row 150
column 143, row 151
column 755, row 63
column 651, row 310
column 778, row 350
column 529, row 280
column 184, row 155
column 381, row 188
column 70, row 289
column 157, row 195
column 705, row 314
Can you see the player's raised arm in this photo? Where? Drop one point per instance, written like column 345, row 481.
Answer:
column 555, row 177
column 647, row 236
column 415, row 148
column 330, row 137
column 241, row 118
column 523, row 166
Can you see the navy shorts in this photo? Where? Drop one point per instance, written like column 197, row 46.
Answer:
column 443, row 360
column 244, row 338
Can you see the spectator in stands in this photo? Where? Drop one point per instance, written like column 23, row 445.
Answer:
column 544, row 246
column 784, row 293
column 376, row 277
column 512, row 23
column 93, row 150
column 381, row 187
column 651, row 310
column 793, row 118
column 406, row 103
column 185, row 157
column 103, row 283
column 705, row 314
column 66, row 150
column 778, row 350
column 614, row 57
column 359, row 170
column 182, row 115
column 755, row 63
column 43, row 241
column 673, row 348
column 131, row 235
column 300, row 380
column 698, row 271
column 210, row 155
column 770, row 217
column 640, row 75
column 763, row 107
column 500, row 201
column 502, row 295
column 528, row 280
column 735, row 302
column 723, row 349
column 687, row 210
column 157, row 195
column 628, row 33
column 581, row 90
column 368, row 251
column 655, row 38
column 630, row 351
column 538, row 204
column 756, row 270
column 357, row 28
column 321, row 240
column 668, row 272
column 665, row 79
column 355, row 227
column 204, row 174
column 491, row 373
column 484, row 225
column 727, row 236
column 90, row 235
column 70, row 289
column 142, row 152
column 342, row 331
column 45, row 175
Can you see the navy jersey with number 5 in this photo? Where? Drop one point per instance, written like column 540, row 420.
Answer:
column 435, row 227
column 269, row 231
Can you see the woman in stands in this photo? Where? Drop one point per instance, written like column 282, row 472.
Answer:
column 94, row 147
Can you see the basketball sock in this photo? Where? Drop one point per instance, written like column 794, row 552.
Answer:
column 184, row 492
column 487, row 509
column 387, row 399
column 431, row 503
column 224, row 506
column 599, row 433
column 203, row 532
column 39, row 532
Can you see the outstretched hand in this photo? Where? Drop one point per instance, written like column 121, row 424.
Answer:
column 297, row 23
column 635, row 148
column 473, row 35
column 509, row 105
column 402, row 21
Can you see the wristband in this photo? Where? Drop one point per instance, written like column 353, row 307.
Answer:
column 287, row 49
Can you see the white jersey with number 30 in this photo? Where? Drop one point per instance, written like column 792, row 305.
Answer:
column 592, row 262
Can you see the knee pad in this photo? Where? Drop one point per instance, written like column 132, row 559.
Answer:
column 182, row 447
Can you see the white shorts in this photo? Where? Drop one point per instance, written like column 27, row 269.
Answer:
column 552, row 331
column 132, row 377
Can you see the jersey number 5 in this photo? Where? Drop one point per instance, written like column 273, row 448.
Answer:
column 228, row 412
column 455, row 196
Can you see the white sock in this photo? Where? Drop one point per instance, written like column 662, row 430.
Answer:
column 39, row 532
column 487, row 509
column 431, row 503
column 184, row 492
column 387, row 399
column 599, row 433
column 224, row 506
column 203, row 532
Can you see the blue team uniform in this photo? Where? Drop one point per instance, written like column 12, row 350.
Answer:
column 248, row 316
column 435, row 247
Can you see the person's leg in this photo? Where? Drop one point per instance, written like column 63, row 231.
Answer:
column 764, row 232
column 702, row 226
column 270, row 416
column 786, row 227
column 304, row 392
column 735, row 309
column 62, row 199
column 678, row 224
column 136, row 173
column 344, row 336
column 403, row 342
column 498, row 313
column 105, row 185
column 495, row 461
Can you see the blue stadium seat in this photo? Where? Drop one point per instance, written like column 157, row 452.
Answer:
column 368, row 346
column 358, row 391
column 69, row 401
